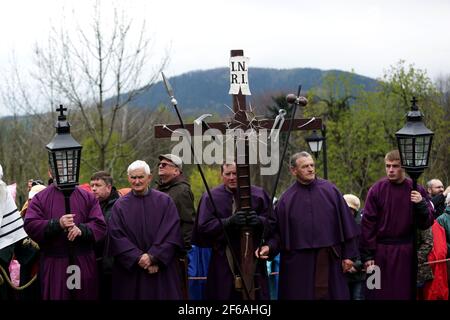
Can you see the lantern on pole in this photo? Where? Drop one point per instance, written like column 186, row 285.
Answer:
column 64, row 155
column 316, row 143
column 414, row 143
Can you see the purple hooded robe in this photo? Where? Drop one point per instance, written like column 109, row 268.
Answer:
column 145, row 224
column 386, row 227
column 208, row 232
column 48, row 205
column 308, row 218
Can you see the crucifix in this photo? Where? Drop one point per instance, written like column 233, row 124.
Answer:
column 239, row 89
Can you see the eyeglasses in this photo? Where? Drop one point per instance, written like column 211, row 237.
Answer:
column 165, row 164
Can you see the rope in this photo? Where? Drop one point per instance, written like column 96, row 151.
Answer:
column 8, row 280
column 436, row 261
column 204, row 278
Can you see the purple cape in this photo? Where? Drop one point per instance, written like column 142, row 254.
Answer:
column 387, row 232
column 49, row 204
column 307, row 218
column 145, row 224
column 208, row 232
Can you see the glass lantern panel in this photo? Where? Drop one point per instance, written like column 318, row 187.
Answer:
column 319, row 145
column 67, row 166
column 422, row 146
column 61, row 167
column 315, row 146
column 406, row 149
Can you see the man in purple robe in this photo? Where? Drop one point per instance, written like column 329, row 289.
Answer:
column 144, row 237
column 48, row 225
column 315, row 234
column 387, row 230
column 209, row 232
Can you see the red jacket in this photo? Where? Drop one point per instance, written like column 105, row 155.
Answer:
column 437, row 289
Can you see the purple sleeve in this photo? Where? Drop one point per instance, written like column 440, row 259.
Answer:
column 120, row 247
column 266, row 211
column 95, row 221
column 349, row 226
column 273, row 239
column 350, row 249
column 168, row 238
column 35, row 222
column 369, row 226
column 351, row 230
column 425, row 220
column 208, row 226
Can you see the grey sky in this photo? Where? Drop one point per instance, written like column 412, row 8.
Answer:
column 366, row 36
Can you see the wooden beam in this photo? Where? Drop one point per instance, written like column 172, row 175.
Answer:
column 165, row 131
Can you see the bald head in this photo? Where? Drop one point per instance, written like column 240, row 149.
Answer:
column 435, row 187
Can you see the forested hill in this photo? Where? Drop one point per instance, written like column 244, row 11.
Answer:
column 198, row 91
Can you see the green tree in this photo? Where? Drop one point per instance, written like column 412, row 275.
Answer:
column 98, row 70
column 296, row 142
column 212, row 176
column 348, row 113
column 443, row 87
column 401, row 83
column 360, row 133
column 357, row 146
column 117, row 153
column 337, row 93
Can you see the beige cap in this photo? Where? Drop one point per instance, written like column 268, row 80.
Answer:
column 173, row 158
column 35, row 190
column 352, row 201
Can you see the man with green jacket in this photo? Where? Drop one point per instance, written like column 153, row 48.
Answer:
column 173, row 183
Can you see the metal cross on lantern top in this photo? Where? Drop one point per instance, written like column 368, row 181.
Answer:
column 239, row 89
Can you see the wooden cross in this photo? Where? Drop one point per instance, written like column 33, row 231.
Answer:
column 239, row 108
column 243, row 170
column 240, row 120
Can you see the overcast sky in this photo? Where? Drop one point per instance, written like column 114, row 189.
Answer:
column 363, row 35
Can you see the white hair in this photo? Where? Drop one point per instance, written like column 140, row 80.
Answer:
column 139, row 164
column 296, row 156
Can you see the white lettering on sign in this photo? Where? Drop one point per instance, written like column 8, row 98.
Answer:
column 239, row 75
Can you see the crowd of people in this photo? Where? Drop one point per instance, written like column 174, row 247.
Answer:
column 153, row 244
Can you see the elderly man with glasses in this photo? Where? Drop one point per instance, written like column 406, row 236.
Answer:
column 173, row 183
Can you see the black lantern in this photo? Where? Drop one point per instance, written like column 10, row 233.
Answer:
column 315, row 143
column 414, row 143
column 64, row 155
